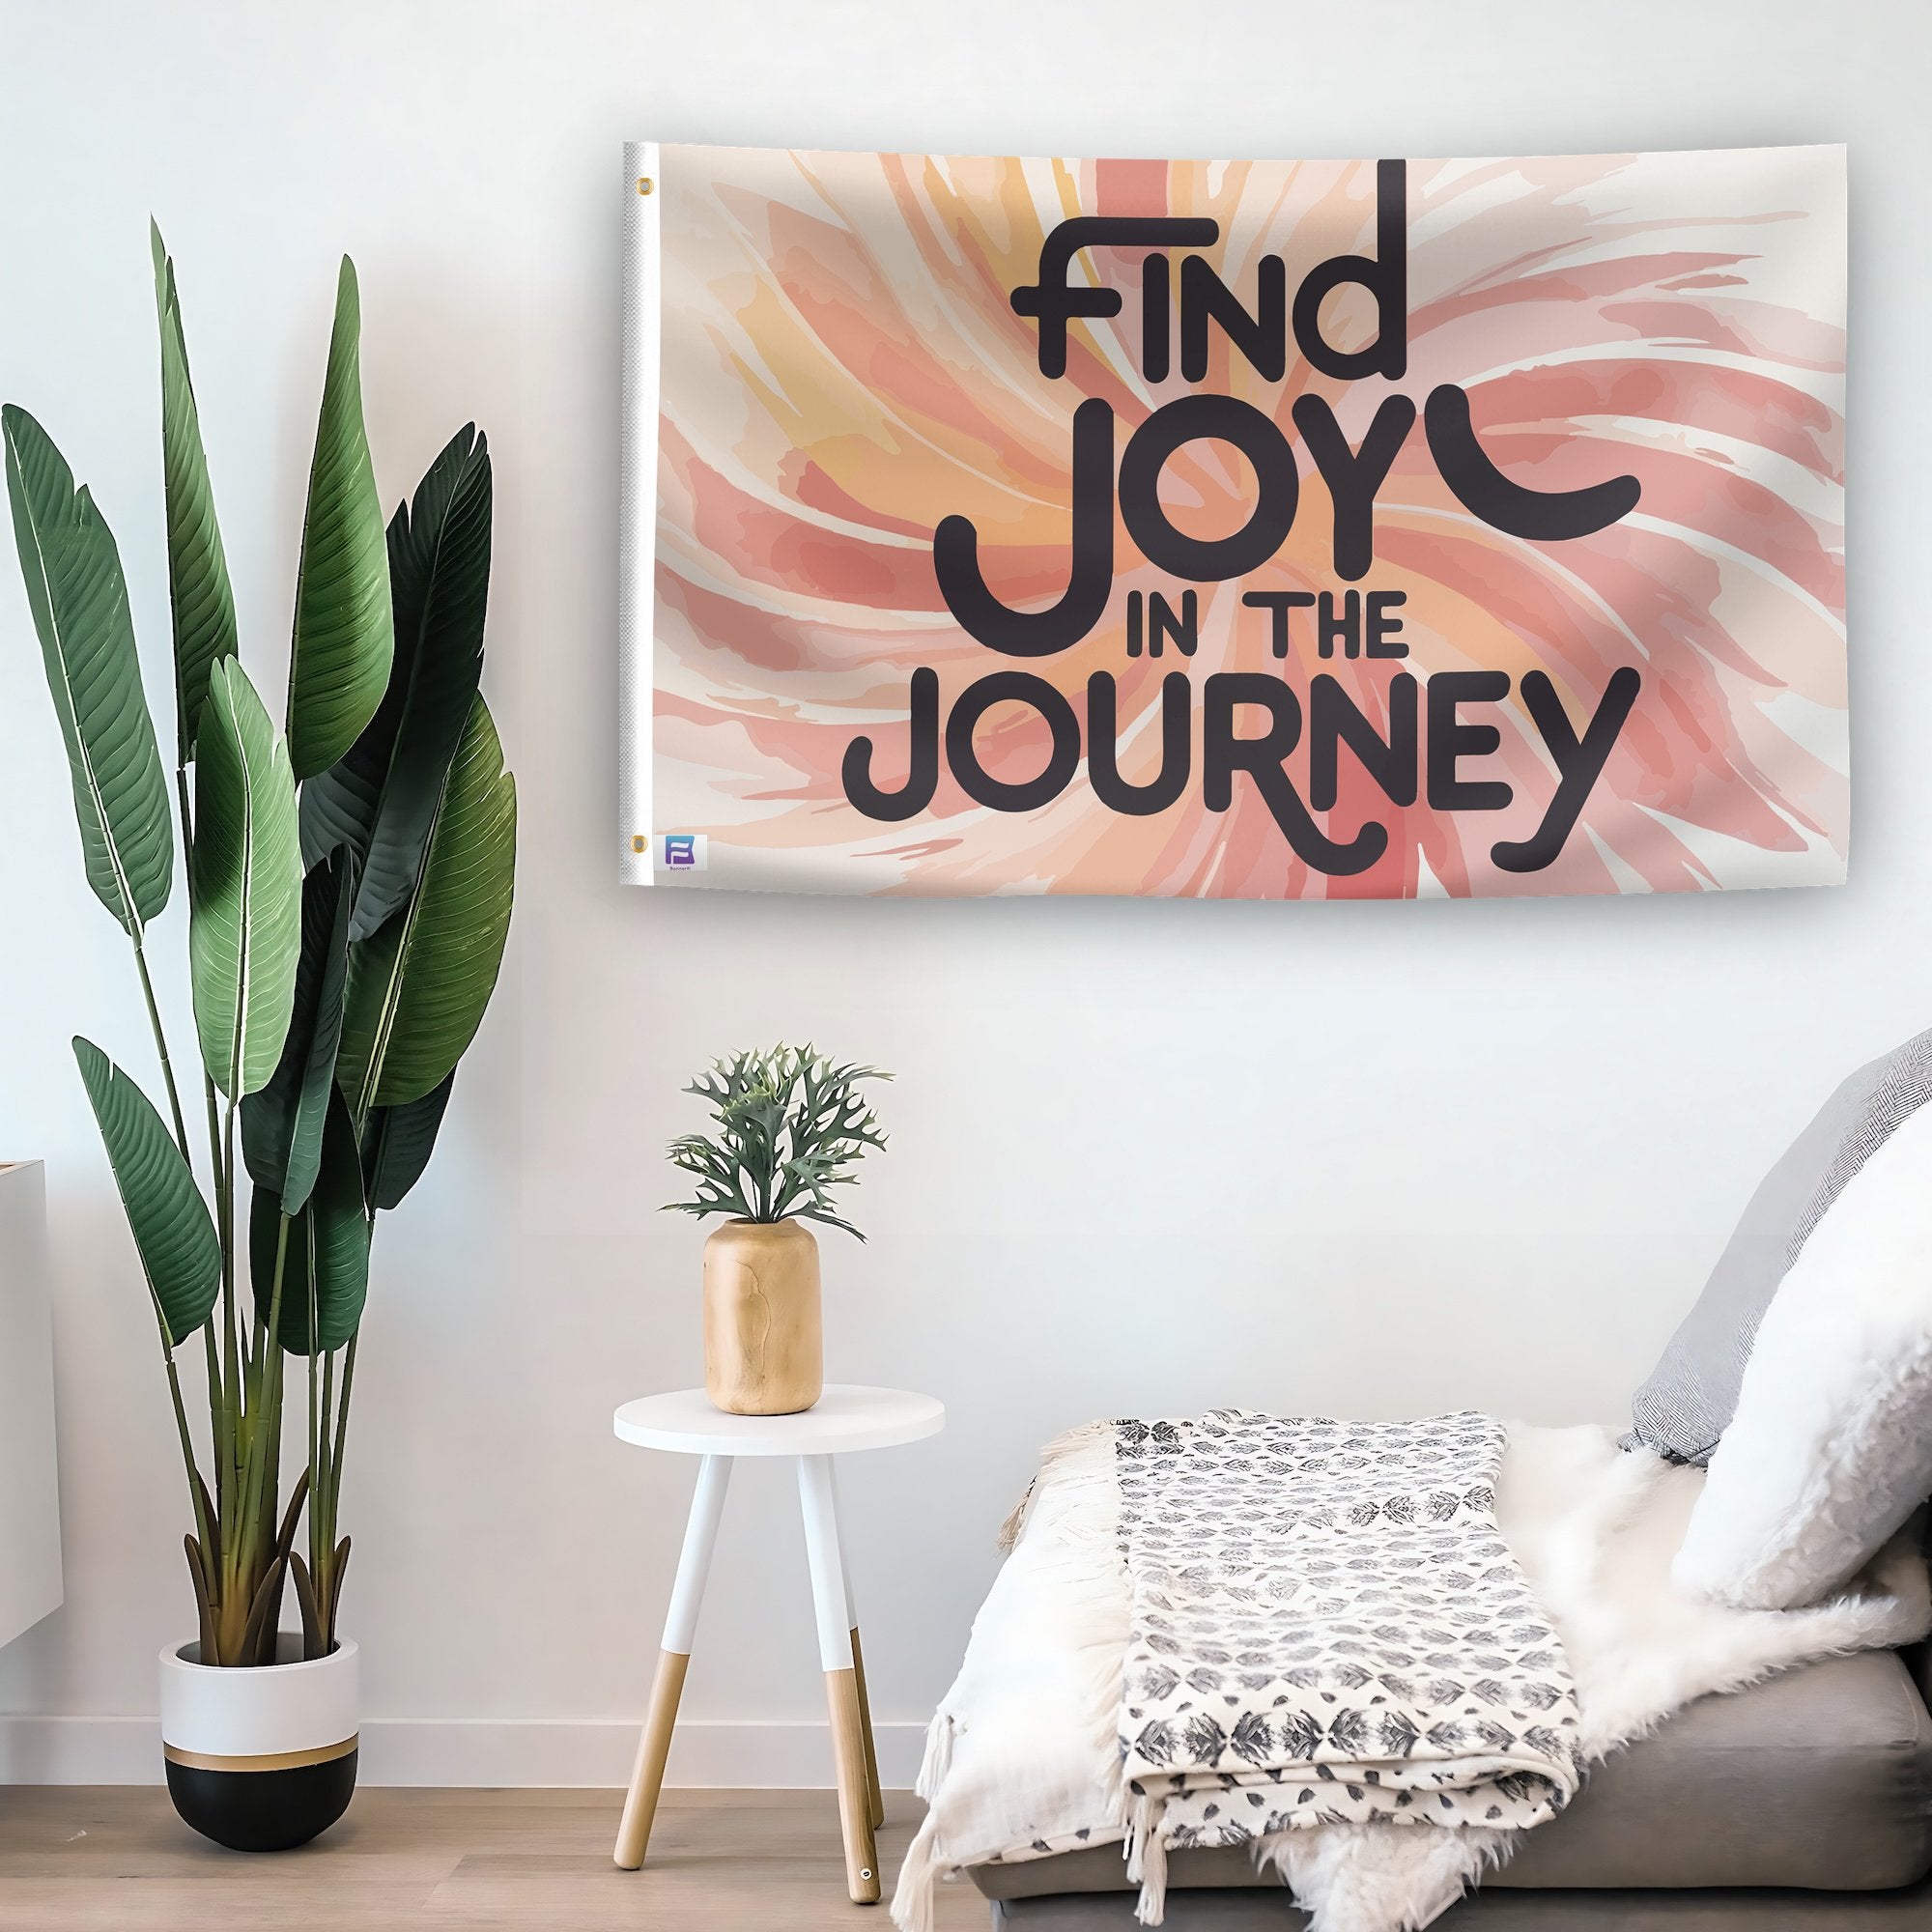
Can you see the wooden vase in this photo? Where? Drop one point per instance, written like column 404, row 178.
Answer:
column 764, row 1351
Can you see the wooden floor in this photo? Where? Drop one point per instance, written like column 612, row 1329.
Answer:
column 76, row 1860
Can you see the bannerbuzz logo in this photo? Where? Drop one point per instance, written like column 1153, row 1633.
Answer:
column 681, row 851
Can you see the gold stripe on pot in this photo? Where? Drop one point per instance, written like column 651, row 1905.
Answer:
column 268, row 1761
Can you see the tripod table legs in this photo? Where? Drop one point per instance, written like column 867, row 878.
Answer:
column 851, row 1732
column 861, row 1809
column 876, row 1796
column 693, row 1564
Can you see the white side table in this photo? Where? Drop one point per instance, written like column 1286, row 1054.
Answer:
column 844, row 1418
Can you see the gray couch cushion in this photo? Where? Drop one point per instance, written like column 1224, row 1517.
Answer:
column 1820, row 1778
column 1489, row 1911
column 1693, row 1393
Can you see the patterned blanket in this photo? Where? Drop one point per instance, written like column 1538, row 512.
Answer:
column 1325, row 1626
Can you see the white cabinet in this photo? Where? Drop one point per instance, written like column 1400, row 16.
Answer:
column 30, row 1559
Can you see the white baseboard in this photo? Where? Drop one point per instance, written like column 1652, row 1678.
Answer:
column 480, row 1752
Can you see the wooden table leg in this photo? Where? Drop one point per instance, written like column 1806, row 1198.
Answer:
column 819, row 1509
column 693, row 1564
column 877, row 1797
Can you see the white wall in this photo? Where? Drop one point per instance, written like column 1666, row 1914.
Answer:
column 1147, row 1156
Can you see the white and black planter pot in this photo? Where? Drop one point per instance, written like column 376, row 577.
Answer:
column 264, row 1759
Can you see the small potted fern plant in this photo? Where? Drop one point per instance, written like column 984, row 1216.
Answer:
column 789, row 1127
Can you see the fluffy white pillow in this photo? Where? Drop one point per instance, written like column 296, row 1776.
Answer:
column 1831, row 1449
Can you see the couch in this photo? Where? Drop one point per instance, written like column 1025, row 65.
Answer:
column 1805, row 1803
column 1802, row 1804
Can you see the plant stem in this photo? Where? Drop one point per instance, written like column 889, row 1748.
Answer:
column 342, row 1416
column 316, row 1432
column 243, row 1566
column 216, row 1435
column 161, row 1047
column 218, row 1415
column 322, row 1525
column 321, row 1521
column 203, row 1528
column 320, row 1518
column 266, row 1406
column 234, row 1418
column 231, row 1359
column 194, row 1485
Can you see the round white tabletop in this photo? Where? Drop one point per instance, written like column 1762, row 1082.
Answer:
column 844, row 1417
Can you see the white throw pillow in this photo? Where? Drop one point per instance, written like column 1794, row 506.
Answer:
column 1831, row 1449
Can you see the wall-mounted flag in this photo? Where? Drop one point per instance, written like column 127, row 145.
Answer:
column 1260, row 529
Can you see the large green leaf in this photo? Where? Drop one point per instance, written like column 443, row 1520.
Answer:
column 198, row 590
column 344, row 636
column 325, row 1263
column 398, row 1142
column 281, row 1126
column 79, row 601
column 245, row 882
column 380, row 799
column 173, row 1233
column 418, row 987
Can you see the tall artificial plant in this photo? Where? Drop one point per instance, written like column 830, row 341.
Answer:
column 349, row 882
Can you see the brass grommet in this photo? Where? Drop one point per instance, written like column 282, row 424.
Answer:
column 638, row 841
column 644, row 183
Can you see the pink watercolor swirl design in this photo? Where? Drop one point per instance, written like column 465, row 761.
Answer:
column 841, row 369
